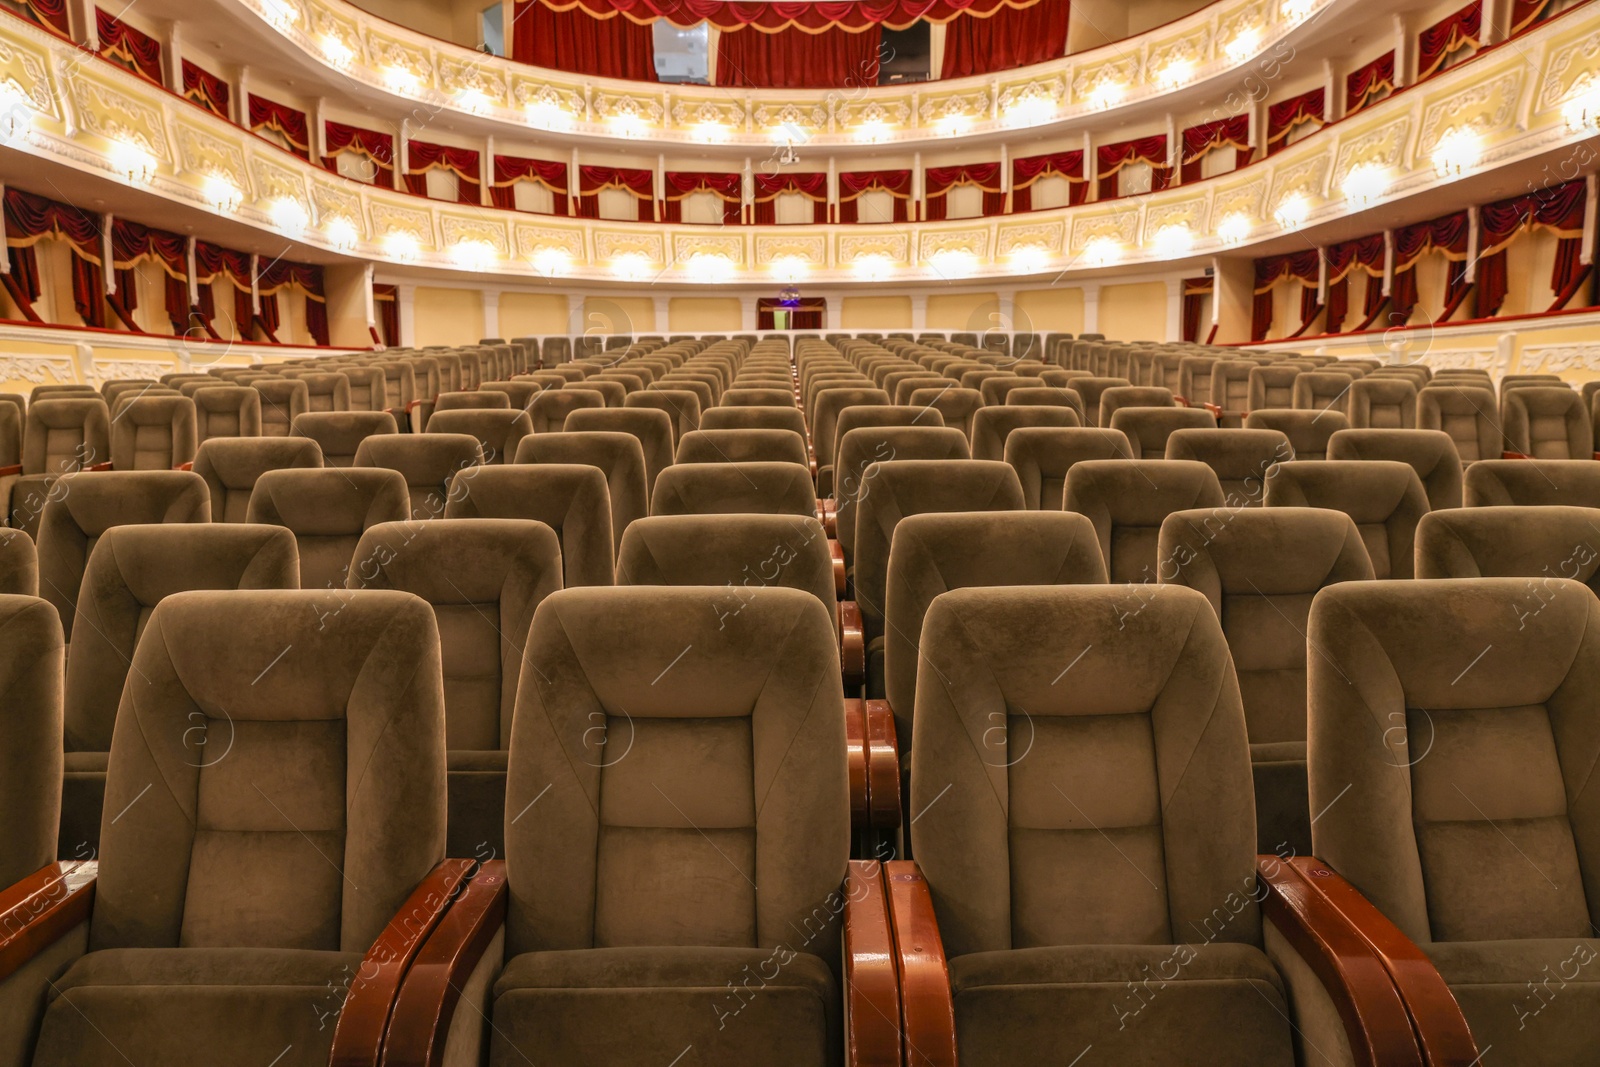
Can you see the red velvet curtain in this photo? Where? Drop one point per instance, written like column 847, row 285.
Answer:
column 508, row 170
column 281, row 274
column 206, row 89
column 377, row 147
column 1195, row 291
column 1364, row 253
column 268, row 115
column 1526, row 13
column 779, row 15
column 897, row 183
column 137, row 51
column 1009, row 37
column 1113, row 157
column 938, row 181
column 1305, row 265
column 131, row 244
column 1223, row 133
column 1447, row 235
column 1361, row 86
column 796, row 59
column 1284, row 116
column 807, row 315
column 422, row 157
column 813, row 186
column 51, row 14
column 1029, row 169
column 1559, row 209
column 30, row 219
column 592, row 179
column 730, row 187
column 609, row 46
column 1439, row 42
column 386, row 301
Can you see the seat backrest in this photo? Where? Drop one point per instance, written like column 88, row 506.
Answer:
column 1383, row 403
column 1128, row 499
column 86, row 505
column 991, row 425
column 681, row 404
column 617, row 455
column 153, row 433
column 1385, row 498
column 1308, row 431
column 12, row 418
column 1241, row 459
column 1462, row 729
column 1230, row 385
column 861, row 448
column 1271, row 387
column 132, row 569
column 1161, row 755
column 933, row 553
column 1543, row 543
column 230, row 467
column 1260, row 570
column 956, row 406
column 281, row 400
column 327, row 510
column 339, row 433
column 1548, row 422
column 339, row 752
column 1431, row 453
column 326, row 390
column 1194, row 378
column 1467, row 413
column 481, row 398
column 571, row 498
column 1575, row 482
column 428, row 462
column 1323, row 390
column 484, row 578
column 899, row 488
column 734, row 489
column 550, row 408
column 498, row 431
column 741, row 446
column 226, row 411
column 1133, row 396
column 743, row 734
column 31, row 655
column 1091, row 390
column 1147, row 429
column 824, row 412
column 653, row 429
column 65, row 435
column 738, row 397
column 19, row 564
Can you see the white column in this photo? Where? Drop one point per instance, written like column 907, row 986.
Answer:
column 402, row 153
column 1493, row 22
column 1332, row 99
column 241, row 102
column 919, row 311
column 747, row 194
column 1591, row 204
column 656, row 211
column 919, row 204
column 318, row 134
column 663, row 314
column 107, row 270
column 371, row 304
column 194, row 286
column 574, row 183
column 491, row 313
column 833, row 189
column 486, row 182
column 83, row 13
column 1005, row 175
column 1388, row 261
column 1091, row 308
column 1474, row 236
column 1174, row 309
column 747, row 313
column 405, row 304
column 172, row 58
column 1402, row 53
column 575, row 314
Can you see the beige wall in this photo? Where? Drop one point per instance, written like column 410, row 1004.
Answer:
column 964, row 311
column 532, row 314
column 346, row 288
column 1050, row 309
column 618, row 314
column 873, row 313
column 446, row 316
column 1136, row 312
column 712, row 315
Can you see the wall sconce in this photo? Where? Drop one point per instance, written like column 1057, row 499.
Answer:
column 336, row 51
column 474, row 255
column 791, row 268
column 1102, row 251
column 872, row 268
column 1176, row 73
column 1292, row 212
column 402, row 246
column 1457, row 152
column 711, row 131
column 1581, row 112
column 631, row 266
column 1234, row 228
column 133, row 162
column 954, row 125
column 398, row 79
column 223, row 196
column 1030, row 259
column 472, row 100
column 551, row 262
column 1107, row 94
column 627, row 124
column 289, row 217
column 953, row 263
column 873, row 131
column 1174, row 241
column 548, row 114
column 341, row 233
column 1365, row 184
column 1030, row 110
column 1244, row 47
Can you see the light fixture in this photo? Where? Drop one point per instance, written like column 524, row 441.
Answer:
column 708, row 267
column 1244, row 47
column 1293, row 210
column 552, row 261
column 631, row 266
column 873, row 267
column 1174, row 241
column 1030, row 259
column 1234, row 228
column 472, row 100
column 1102, row 251
column 1457, row 152
column 1107, row 94
column 335, row 51
column 280, row 15
column 953, row 263
column 223, row 196
column 711, row 131
column 872, row 131
column 791, row 268
column 340, row 233
column 954, row 125
column 402, row 246
column 1365, row 183
column 1030, row 110
column 1297, row 10
column 1176, row 73
column 474, row 254
column 1581, row 111
column 400, row 80
column 133, row 162
column 629, row 124
column 16, row 113
column 548, row 114
column 289, row 216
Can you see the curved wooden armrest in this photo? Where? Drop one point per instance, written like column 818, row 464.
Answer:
column 99, row 466
column 432, row 989
column 1215, row 409
column 852, row 643
column 840, row 582
column 189, row 466
column 927, row 1013
column 828, row 514
column 1374, row 1017
column 872, row 986
column 1436, row 1018
column 7, row 472
column 883, row 766
column 358, row 1038
column 1515, row 455
column 1182, row 402
column 855, row 740
column 39, row 910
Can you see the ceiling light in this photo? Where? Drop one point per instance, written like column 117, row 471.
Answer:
column 1102, row 251
column 1174, row 242
column 1234, row 228
column 1457, row 152
column 133, row 162
column 1365, row 184
column 631, row 266
column 1292, row 212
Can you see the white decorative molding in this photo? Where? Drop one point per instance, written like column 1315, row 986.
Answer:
column 38, row 370
column 1553, row 359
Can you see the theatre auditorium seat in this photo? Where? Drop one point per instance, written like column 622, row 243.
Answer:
column 1128, row 499
column 19, row 564
column 327, row 509
column 1384, row 497
column 31, row 659
column 428, row 462
column 1042, row 456
column 572, row 499
column 1241, row 459
column 618, row 457
column 1548, row 422
column 1538, row 482
column 734, row 489
column 1431, row 453
column 1542, row 543
column 231, row 466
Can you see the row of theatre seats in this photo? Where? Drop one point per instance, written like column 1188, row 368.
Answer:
column 866, row 702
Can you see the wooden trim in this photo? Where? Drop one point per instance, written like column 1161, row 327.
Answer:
column 872, row 985
column 852, row 643
column 1515, row 455
column 38, row 911
column 883, row 766
column 427, row 1001
column 1565, row 296
column 855, row 738
column 1451, row 308
column 1375, row 1019
column 1436, row 1018
column 840, row 582
column 8, row 472
column 19, row 298
column 927, row 1013
column 828, row 514
column 358, row 1039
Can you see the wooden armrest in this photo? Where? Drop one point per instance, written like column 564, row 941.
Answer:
column 8, row 472
column 1350, row 971
column 358, row 1038
column 1515, row 455
column 39, row 910
column 883, row 766
column 1182, row 402
column 1215, row 409
column 189, row 466
column 1436, row 1018
column 99, row 467
column 872, row 986
column 432, row 989
column 927, row 1013
column 828, row 514
column 836, row 550
column 852, row 643
column 855, row 740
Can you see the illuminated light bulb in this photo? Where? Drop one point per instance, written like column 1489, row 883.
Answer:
column 1365, row 184
column 133, row 162
column 872, row 268
column 1244, row 47
column 954, row 125
column 711, row 131
column 336, row 51
column 221, row 194
column 953, row 263
column 1581, row 112
column 400, row 80
column 288, row 216
column 1176, row 73
column 1029, row 111
column 1174, row 242
column 791, row 268
column 548, row 114
column 1457, row 152
column 1234, row 229
column 473, row 100
column 708, row 268
column 341, row 233
column 1030, row 259
column 402, row 246
column 1292, row 212
column 1102, row 251
column 631, row 266
column 551, row 262
column 872, row 131
column 627, row 124
column 1297, row 10
column 16, row 113
column 279, row 15
column 1107, row 94
column 474, row 255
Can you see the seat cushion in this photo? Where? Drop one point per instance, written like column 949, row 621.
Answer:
column 734, row 1006
column 1211, row 1005
column 1532, row 1001
column 196, row 1005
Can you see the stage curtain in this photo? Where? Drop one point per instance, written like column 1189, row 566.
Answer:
column 422, row 157
column 281, row 274
column 1005, row 38
column 1492, row 285
column 137, row 51
column 938, row 181
column 1029, row 169
column 177, row 303
column 377, row 147
column 51, row 14
column 603, row 44
column 1113, row 157
column 1284, row 116
column 1526, row 13
column 592, row 179
column 1365, row 254
column 243, row 317
column 1223, row 133
column 268, row 115
column 25, row 270
column 731, row 16
column 206, row 89
column 1559, row 209
column 813, row 186
column 30, row 219
column 730, row 187
column 131, row 244
column 897, row 183
column 508, row 170
column 1360, row 86
column 1444, row 38
column 798, row 59
column 1304, row 265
